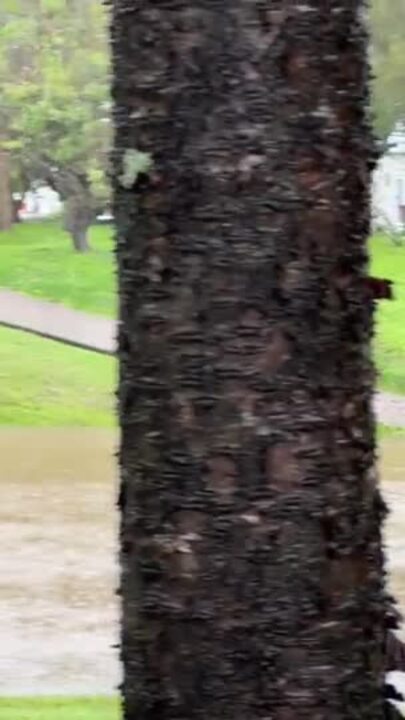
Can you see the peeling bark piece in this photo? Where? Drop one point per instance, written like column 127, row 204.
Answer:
column 380, row 289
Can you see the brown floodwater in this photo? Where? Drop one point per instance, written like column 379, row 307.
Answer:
column 58, row 610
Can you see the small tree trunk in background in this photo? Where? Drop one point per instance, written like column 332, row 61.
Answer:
column 16, row 208
column 252, row 569
column 79, row 204
column 80, row 240
column 6, row 207
column 77, row 219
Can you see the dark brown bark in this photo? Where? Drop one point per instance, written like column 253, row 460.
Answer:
column 252, row 569
column 395, row 653
column 6, row 207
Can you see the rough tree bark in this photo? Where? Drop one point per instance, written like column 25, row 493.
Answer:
column 252, row 571
column 6, row 207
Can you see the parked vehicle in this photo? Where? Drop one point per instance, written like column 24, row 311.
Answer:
column 38, row 203
column 105, row 218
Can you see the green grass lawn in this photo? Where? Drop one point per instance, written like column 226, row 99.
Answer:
column 36, row 258
column 388, row 261
column 387, row 432
column 44, row 383
column 59, row 709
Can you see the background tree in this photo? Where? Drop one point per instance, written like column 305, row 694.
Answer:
column 6, row 209
column 252, row 570
column 54, row 101
column 388, row 57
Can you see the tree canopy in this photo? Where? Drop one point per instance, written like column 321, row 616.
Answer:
column 54, row 100
column 388, row 59
column 54, row 96
column 54, row 92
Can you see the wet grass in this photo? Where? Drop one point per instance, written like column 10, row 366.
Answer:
column 36, row 258
column 388, row 261
column 47, row 384
column 59, row 709
column 385, row 431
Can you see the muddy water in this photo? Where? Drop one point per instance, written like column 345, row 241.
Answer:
column 58, row 614
column 58, row 611
column 392, row 471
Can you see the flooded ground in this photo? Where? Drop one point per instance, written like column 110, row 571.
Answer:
column 392, row 470
column 58, row 611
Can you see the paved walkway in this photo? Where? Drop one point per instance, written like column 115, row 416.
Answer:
column 57, row 322
column 96, row 333
column 390, row 409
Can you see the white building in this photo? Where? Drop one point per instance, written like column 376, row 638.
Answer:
column 39, row 203
column 389, row 184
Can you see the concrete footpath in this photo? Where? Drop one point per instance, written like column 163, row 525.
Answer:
column 57, row 322
column 98, row 334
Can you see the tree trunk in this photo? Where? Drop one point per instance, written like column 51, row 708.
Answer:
column 78, row 214
column 6, row 207
column 79, row 204
column 16, row 209
column 251, row 562
column 80, row 240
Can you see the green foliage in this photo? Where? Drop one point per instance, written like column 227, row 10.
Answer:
column 54, row 86
column 388, row 59
column 59, row 708
column 54, row 79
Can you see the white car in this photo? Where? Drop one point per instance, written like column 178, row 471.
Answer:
column 105, row 217
column 39, row 203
